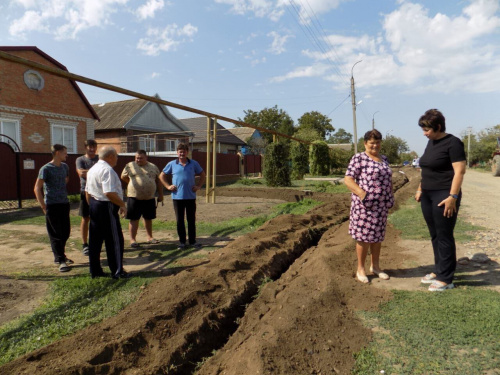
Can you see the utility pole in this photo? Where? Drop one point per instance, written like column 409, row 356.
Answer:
column 373, row 120
column 353, row 97
column 469, row 131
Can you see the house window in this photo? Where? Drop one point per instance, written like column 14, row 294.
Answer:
column 147, row 144
column 64, row 135
column 10, row 128
column 170, row 145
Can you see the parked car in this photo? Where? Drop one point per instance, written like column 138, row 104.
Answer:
column 415, row 163
column 405, row 163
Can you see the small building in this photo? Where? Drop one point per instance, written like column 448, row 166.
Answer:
column 39, row 109
column 227, row 143
column 130, row 125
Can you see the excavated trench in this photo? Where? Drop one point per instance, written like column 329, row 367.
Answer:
column 181, row 320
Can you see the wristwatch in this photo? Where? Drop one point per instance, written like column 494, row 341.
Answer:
column 454, row 196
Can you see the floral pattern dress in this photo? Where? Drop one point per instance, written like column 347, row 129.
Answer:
column 368, row 217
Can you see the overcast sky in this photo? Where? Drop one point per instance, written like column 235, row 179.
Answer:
column 226, row 56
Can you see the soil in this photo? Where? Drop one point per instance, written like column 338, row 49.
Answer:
column 282, row 299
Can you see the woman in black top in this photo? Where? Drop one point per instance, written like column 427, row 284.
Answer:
column 443, row 169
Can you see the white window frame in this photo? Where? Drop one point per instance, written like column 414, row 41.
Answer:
column 17, row 130
column 62, row 127
column 170, row 145
column 147, row 144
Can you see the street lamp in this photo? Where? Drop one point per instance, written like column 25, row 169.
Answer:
column 353, row 97
column 469, row 131
column 373, row 120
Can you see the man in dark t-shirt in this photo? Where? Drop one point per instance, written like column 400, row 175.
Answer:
column 83, row 164
column 51, row 194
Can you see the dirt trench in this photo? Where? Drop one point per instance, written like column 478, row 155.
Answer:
column 303, row 322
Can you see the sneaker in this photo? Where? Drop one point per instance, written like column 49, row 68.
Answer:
column 63, row 267
column 123, row 275
column 182, row 246
column 68, row 261
column 197, row 245
column 85, row 249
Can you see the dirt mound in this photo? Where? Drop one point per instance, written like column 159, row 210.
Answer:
column 302, row 322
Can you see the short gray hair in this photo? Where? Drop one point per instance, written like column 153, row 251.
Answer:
column 106, row 152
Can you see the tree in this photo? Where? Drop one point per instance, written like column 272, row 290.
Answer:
column 256, row 146
column 408, row 156
column 308, row 135
column 482, row 145
column 319, row 158
column 340, row 136
column 393, row 147
column 339, row 159
column 276, row 169
column 316, row 121
column 272, row 119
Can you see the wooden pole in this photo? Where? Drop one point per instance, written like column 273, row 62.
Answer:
column 209, row 145
column 214, row 172
column 88, row 81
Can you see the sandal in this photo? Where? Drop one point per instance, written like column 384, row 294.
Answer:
column 438, row 287
column 382, row 275
column 428, row 279
column 134, row 245
column 153, row 241
column 362, row 279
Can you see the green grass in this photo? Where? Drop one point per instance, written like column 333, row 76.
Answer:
column 453, row 333
column 409, row 220
column 316, row 186
column 241, row 225
column 73, row 304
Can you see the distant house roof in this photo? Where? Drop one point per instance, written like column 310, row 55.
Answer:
column 243, row 133
column 199, row 126
column 343, row 146
column 127, row 113
column 56, row 63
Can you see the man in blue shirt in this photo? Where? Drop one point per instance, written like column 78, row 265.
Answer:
column 178, row 176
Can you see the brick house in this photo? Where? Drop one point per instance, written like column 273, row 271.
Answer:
column 227, row 143
column 38, row 109
column 134, row 124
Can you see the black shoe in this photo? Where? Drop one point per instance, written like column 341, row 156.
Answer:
column 197, row 245
column 99, row 274
column 122, row 275
column 66, row 260
column 85, row 249
column 182, row 246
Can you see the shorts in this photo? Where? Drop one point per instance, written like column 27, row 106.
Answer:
column 137, row 208
column 84, row 210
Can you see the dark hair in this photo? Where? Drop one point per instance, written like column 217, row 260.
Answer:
column 433, row 119
column 183, row 146
column 373, row 134
column 57, row 147
column 90, row 142
column 141, row 152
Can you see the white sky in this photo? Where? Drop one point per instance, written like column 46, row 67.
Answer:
column 226, row 56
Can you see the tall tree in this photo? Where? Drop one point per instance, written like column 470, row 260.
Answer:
column 393, row 147
column 482, row 145
column 316, row 121
column 272, row 119
column 340, row 136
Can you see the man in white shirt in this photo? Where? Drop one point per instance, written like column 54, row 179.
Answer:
column 105, row 197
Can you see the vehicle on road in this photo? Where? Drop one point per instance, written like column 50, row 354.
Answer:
column 415, row 163
column 495, row 165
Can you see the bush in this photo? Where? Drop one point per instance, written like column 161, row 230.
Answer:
column 319, row 158
column 339, row 159
column 276, row 169
column 300, row 160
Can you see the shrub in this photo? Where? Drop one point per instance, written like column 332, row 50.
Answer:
column 300, row 160
column 319, row 158
column 276, row 168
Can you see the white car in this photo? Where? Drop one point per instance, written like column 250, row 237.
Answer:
column 415, row 164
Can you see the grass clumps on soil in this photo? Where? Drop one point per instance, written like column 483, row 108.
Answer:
column 242, row 225
column 455, row 332
column 72, row 304
column 409, row 220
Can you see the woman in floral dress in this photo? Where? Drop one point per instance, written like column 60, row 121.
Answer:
column 369, row 177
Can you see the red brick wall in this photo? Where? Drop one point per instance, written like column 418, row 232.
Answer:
column 57, row 96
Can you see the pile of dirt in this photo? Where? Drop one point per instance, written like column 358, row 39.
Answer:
column 301, row 322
